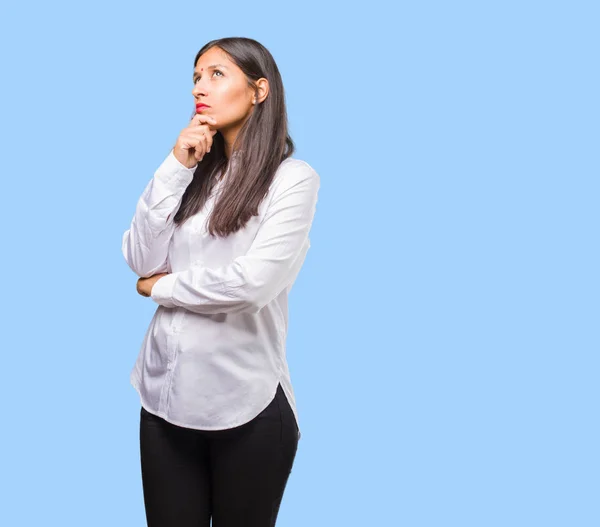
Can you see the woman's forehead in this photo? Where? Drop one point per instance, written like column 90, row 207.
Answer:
column 214, row 56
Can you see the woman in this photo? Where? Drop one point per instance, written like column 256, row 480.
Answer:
column 218, row 238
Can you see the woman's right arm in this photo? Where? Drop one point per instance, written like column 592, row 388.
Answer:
column 146, row 243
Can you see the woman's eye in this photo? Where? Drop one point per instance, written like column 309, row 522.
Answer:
column 215, row 71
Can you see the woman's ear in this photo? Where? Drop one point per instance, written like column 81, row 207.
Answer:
column 262, row 86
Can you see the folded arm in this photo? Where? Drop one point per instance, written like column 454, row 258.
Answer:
column 271, row 264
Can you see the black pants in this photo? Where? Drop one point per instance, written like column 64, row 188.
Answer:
column 236, row 476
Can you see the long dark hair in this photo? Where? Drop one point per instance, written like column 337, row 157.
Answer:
column 261, row 145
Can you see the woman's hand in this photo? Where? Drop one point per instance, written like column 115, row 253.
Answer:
column 195, row 140
column 144, row 285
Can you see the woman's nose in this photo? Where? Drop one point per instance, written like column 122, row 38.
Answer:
column 198, row 89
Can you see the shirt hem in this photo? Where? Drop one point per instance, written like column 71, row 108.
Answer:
column 135, row 383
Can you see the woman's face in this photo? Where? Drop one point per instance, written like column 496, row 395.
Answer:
column 222, row 86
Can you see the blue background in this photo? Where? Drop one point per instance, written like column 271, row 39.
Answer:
column 443, row 340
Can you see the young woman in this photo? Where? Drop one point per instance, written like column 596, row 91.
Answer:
column 218, row 238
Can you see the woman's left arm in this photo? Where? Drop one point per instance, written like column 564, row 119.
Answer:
column 272, row 263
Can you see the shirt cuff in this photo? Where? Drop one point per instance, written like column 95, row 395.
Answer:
column 162, row 290
column 172, row 170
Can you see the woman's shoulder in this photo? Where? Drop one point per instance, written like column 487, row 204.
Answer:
column 295, row 162
column 294, row 169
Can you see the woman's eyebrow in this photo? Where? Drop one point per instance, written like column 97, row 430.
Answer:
column 211, row 67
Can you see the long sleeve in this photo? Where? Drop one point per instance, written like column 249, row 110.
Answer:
column 146, row 243
column 270, row 265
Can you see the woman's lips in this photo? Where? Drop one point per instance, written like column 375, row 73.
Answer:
column 200, row 107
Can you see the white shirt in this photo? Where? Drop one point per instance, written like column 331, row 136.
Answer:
column 215, row 348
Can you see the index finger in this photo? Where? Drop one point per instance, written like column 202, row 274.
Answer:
column 199, row 119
